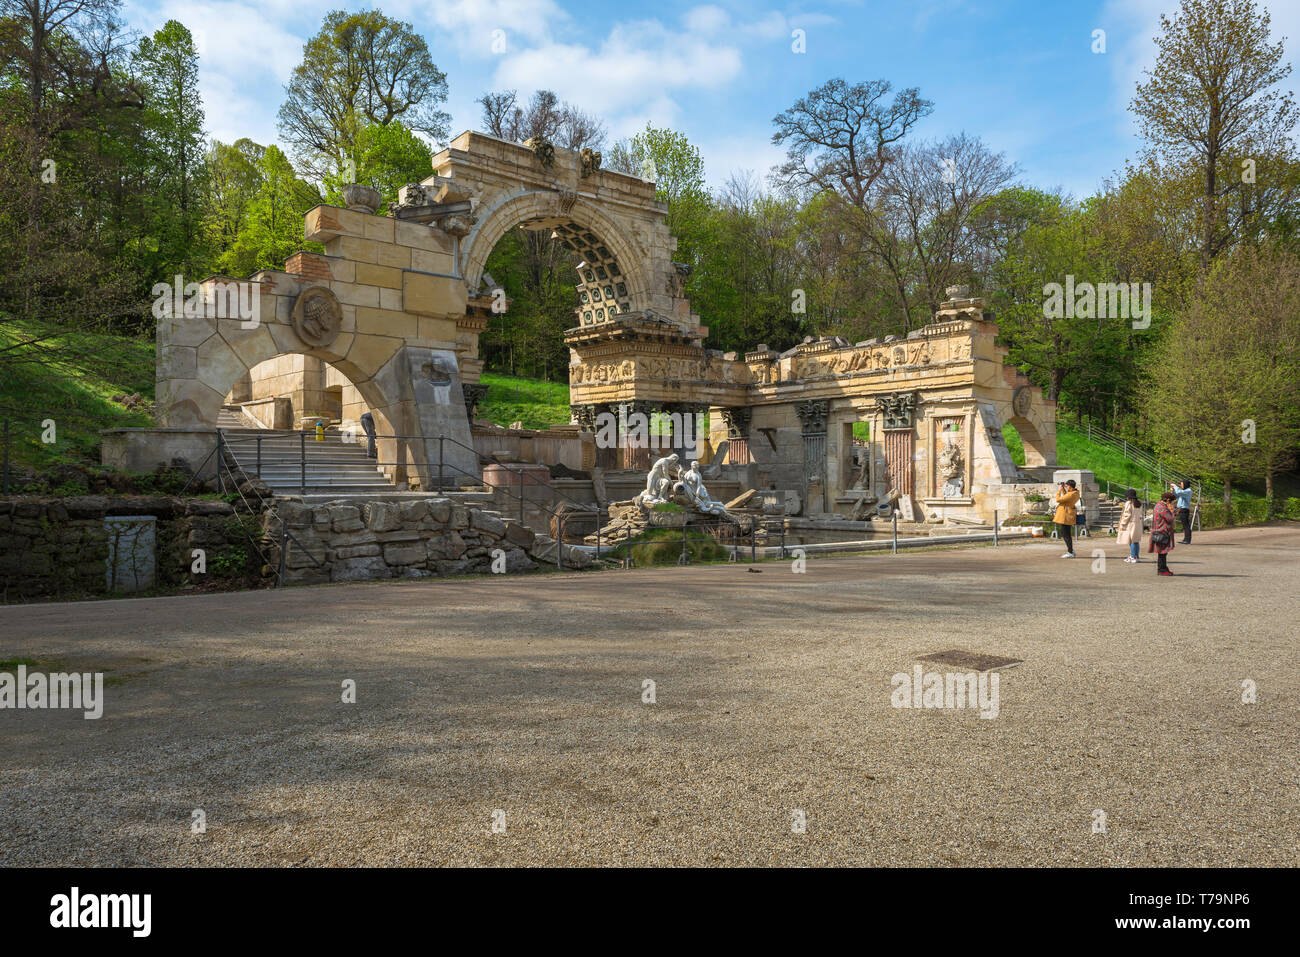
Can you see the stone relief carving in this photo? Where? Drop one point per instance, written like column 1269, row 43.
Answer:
column 950, row 464
column 317, row 316
column 1022, row 401
column 590, row 162
column 543, row 149
column 737, row 420
column 863, row 360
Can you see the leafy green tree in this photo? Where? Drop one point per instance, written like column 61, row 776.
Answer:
column 234, row 176
column 272, row 229
column 388, row 157
column 167, row 65
column 360, row 69
column 1224, row 398
column 1211, row 103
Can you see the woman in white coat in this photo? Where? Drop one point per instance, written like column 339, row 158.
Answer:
column 1130, row 526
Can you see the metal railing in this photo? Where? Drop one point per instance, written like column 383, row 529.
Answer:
column 309, row 458
column 1147, row 460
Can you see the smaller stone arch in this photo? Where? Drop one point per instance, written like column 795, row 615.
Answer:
column 413, row 391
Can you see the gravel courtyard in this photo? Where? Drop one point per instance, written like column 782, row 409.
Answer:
column 524, row 695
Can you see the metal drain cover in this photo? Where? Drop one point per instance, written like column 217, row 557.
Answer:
column 970, row 660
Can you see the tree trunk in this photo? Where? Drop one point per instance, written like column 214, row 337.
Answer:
column 1269, row 502
column 1227, row 501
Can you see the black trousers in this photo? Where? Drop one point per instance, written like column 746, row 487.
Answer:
column 1185, row 519
column 1067, row 536
column 1162, row 563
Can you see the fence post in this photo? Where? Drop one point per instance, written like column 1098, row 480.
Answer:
column 441, row 439
column 995, row 528
column 895, row 533
column 559, row 543
column 221, row 462
column 284, row 548
column 259, row 456
column 6, row 467
column 521, row 495
column 684, row 558
column 302, row 463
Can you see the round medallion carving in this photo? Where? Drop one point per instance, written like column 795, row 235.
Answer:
column 317, row 316
column 1021, row 401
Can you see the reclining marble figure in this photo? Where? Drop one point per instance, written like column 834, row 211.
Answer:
column 692, row 489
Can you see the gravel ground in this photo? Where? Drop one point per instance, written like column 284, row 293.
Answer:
column 524, row 695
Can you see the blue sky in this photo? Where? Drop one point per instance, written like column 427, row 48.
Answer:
column 1020, row 74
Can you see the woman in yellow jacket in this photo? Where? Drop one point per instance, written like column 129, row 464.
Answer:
column 1067, row 500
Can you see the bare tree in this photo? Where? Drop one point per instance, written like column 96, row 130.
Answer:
column 544, row 116
column 840, row 138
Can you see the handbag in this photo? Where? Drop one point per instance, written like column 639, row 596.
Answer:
column 1161, row 539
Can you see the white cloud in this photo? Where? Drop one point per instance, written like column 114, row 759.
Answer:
column 635, row 64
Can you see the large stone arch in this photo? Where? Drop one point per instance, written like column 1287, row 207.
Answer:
column 549, row 209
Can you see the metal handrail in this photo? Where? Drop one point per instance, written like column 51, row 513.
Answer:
column 303, row 434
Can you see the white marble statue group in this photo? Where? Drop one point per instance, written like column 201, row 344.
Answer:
column 668, row 483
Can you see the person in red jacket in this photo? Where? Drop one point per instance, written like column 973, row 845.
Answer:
column 1162, row 532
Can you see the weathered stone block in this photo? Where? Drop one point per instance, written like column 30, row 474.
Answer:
column 346, row 518
column 404, row 554
column 382, row 517
column 486, row 522
column 359, row 569
column 356, row 551
column 458, row 567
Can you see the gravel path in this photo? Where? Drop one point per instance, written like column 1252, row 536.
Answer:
column 524, row 695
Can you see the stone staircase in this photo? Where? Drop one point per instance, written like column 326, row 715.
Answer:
column 333, row 467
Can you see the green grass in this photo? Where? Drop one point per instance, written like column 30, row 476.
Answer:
column 537, row 404
column 74, row 388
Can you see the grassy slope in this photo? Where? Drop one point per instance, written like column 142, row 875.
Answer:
column 537, row 404
column 75, row 390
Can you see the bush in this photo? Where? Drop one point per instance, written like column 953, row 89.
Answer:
column 663, row 546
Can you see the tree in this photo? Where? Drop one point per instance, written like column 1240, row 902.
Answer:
column 922, row 227
column 1224, row 399
column 360, row 69
column 168, row 67
column 234, row 176
column 545, row 116
column 840, row 138
column 272, row 229
column 1210, row 101
column 388, row 157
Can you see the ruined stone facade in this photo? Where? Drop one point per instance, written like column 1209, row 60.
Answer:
column 388, row 320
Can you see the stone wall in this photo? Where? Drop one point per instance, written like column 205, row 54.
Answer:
column 59, row 547
column 358, row 539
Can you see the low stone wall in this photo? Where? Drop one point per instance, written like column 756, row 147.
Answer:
column 357, row 539
column 60, row 547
